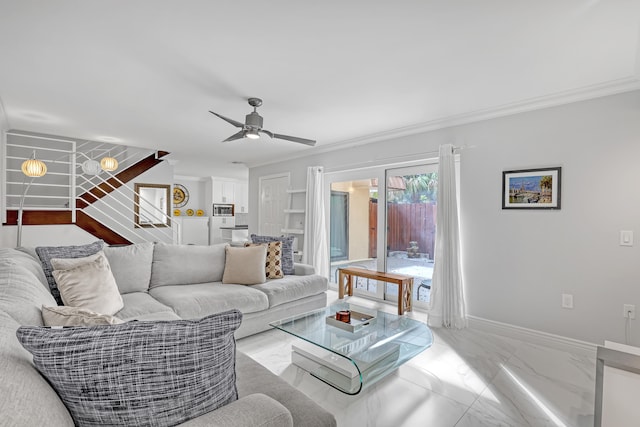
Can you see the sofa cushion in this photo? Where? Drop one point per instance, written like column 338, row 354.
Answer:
column 195, row 301
column 255, row 378
column 291, row 288
column 38, row 271
column 186, row 264
column 245, row 266
column 139, row 373
column 73, row 316
column 131, row 266
column 287, row 249
column 90, row 285
column 142, row 306
column 26, row 397
column 21, row 292
column 255, row 410
column 46, row 253
column 273, row 263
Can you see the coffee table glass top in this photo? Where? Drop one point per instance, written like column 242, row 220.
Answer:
column 350, row 361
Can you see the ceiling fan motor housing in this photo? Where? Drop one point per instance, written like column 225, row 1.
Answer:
column 253, row 120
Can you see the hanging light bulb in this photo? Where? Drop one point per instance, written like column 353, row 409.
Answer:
column 109, row 164
column 34, row 168
column 91, row 167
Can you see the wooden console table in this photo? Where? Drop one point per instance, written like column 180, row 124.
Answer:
column 404, row 282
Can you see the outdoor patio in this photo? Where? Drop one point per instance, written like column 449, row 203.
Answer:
column 397, row 262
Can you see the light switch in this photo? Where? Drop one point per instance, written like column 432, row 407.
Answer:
column 626, row 238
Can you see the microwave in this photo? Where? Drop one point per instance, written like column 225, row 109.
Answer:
column 220, row 209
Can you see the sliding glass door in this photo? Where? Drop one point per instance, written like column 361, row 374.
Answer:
column 383, row 219
column 411, row 227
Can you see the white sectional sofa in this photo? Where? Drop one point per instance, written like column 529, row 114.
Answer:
column 160, row 282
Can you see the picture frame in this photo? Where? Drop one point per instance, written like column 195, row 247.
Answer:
column 532, row 188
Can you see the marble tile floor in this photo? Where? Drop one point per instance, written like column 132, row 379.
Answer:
column 467, row 378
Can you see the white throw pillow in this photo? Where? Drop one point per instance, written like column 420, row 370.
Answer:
column 245, row 266
column 90, row 286
column 69, row 263
column 74, row 316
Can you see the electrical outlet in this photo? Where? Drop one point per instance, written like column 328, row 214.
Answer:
column 567, row 301
column 629, row 310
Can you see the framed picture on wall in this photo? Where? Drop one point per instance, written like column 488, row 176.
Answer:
column 531, row 188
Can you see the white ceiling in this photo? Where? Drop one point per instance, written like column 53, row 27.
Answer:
column 338, row 71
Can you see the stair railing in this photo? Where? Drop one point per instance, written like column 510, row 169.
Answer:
column 124, row 226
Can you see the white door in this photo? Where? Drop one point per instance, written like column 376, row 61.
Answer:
column 273, row 202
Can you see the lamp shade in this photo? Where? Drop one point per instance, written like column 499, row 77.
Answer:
column 109, row 164
column 91, row 167
column 34, row 168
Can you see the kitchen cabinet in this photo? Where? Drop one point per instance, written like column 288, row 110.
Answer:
column 223, row 191
column 242, row 197
column 193, row 230
column 216, row 223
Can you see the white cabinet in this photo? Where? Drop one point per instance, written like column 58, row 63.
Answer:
column 194, row 230
column 216, row 223
column 223, row 191
column 230, row 235
column 242, row 197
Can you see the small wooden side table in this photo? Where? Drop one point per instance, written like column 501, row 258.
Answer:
column 404, row 282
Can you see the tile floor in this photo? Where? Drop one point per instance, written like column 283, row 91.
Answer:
column 467, row 378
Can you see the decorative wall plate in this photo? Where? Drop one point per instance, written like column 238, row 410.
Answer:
column 190, row 212
column 176, row 212
column 180, row 195
column 199, row 212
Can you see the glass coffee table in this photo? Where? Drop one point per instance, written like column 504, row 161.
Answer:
column 350, row 357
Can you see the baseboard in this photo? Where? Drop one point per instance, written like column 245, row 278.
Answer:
column 529, row 335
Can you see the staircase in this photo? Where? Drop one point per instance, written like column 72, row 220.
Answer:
column 67, row 194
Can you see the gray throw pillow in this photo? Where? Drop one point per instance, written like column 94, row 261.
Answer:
column 46, row 253
column 139, row 373
column 287, row 249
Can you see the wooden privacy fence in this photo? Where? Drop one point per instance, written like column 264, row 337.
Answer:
column 409, row 222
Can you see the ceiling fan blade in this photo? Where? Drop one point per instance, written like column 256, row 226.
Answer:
column 235, row 136
column 304, row 141
column 228, row 120
column 267, row 132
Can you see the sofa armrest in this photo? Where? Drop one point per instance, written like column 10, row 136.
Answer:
column 254, row 410
column 303, row 269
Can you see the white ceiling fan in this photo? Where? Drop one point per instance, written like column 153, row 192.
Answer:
column 252, row 126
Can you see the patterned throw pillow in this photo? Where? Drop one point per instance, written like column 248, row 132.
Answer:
column 46, row 253
column 139, row 373
column 273, row 264
column 287, row 249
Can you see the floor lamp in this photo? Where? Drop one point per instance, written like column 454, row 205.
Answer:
column 31, row 168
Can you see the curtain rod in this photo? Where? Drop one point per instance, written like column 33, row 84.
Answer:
column 425, row 155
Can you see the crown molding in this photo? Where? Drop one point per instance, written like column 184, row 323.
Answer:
column 584, row 93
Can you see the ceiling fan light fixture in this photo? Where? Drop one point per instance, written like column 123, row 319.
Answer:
column 252, row 134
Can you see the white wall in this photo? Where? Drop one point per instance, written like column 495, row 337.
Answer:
column 518, row 263
column 45, row 235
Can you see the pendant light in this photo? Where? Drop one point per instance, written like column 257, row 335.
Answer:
column 109, row 164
